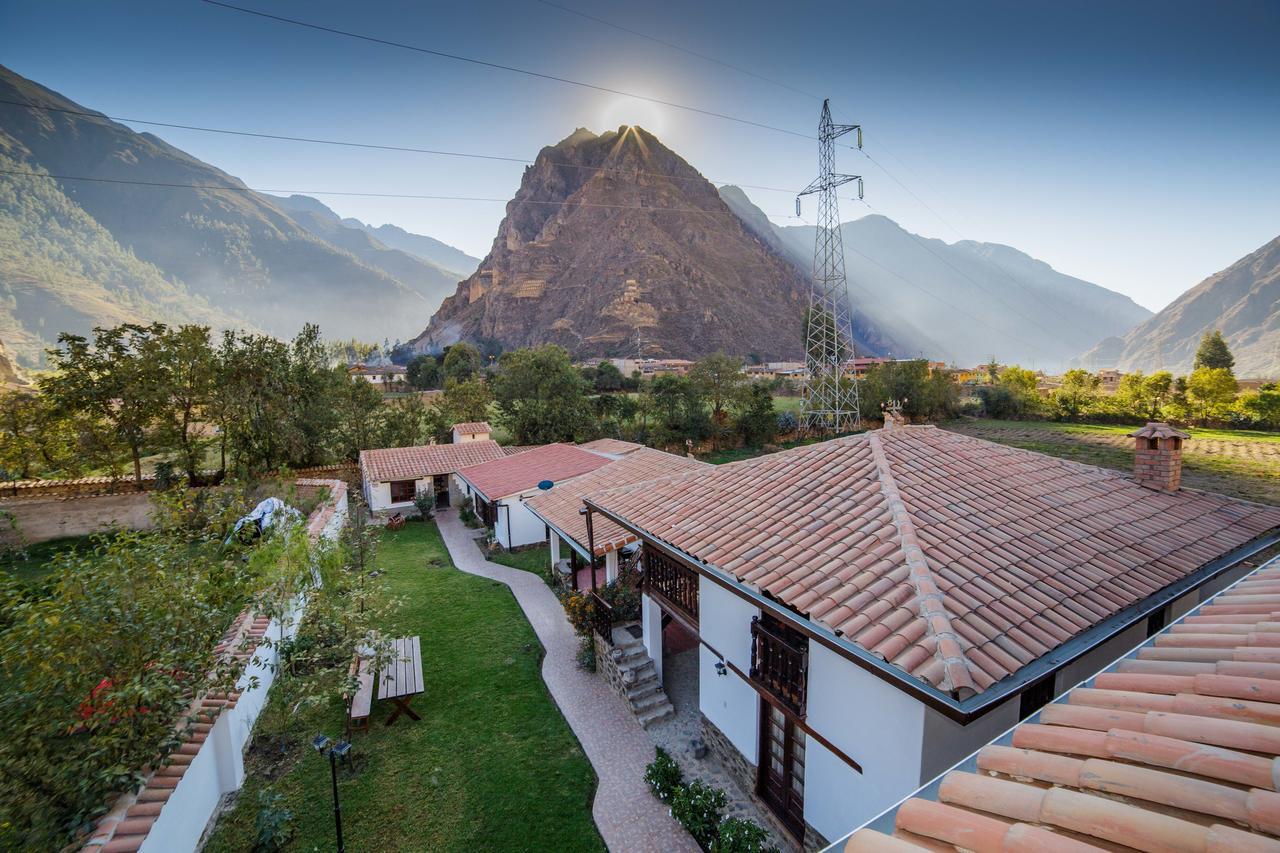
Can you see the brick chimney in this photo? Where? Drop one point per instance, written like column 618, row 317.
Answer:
column 1157, row 456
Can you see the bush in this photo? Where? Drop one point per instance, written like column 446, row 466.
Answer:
column 699, row 807
column 738, row 835
column 663, row 776
column 577, row 608
column 787, row 422
column 274, row 823
column 587, row 654
column 425, row 502
column 468, row 516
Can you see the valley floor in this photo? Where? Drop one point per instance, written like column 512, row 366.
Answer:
column 1241, row 463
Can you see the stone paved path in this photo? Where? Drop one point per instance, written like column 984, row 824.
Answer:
column 628, row 816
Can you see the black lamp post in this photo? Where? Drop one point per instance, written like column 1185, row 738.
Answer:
column 323, row 745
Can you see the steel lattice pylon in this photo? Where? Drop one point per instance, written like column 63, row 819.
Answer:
column 830, row 404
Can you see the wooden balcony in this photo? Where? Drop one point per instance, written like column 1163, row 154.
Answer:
column 672, row 581
column 780, row 662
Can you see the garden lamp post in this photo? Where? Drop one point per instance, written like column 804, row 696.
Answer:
column 323, row 745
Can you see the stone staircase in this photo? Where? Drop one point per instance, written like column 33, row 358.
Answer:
column 641, row 685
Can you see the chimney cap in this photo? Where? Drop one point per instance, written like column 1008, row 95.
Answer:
column 1158, row 429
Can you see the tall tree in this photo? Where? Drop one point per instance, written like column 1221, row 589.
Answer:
column 117, row 379
column 423, row 373
column 1210, row 391
column 188, row 371
column 1078, row 390
column 464, row 402
column 757, row 420
column 462, row 362
column 540, row 397
column 718, row 377
column 1214, row 353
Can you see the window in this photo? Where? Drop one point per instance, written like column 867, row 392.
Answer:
column 403, row 491
column 1035, row 697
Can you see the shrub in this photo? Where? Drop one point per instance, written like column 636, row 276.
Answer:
column 468, row 516
column 274, row 822
column 738, row 835
column 425, row 502
column 698, row 807
column 587, row 654
column 577, row 608
column 663, row 776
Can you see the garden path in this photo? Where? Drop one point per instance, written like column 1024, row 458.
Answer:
column 628, row 816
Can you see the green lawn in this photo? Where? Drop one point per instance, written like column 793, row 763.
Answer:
column 534, row 560
column 33, row 563
column 492, row 765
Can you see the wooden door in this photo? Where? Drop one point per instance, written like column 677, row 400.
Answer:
column 781, row 774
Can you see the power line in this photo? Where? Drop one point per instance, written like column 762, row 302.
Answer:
column 501, row 67
column 681, row 48
column 381, row 147
column 245, row 189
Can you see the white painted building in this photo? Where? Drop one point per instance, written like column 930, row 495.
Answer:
column 394, row 476
column 473, row 431
column 871, row 610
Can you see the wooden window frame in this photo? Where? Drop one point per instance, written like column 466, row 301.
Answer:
column 413, row 491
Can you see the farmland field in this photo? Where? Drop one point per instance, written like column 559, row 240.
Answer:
column 1240, row 463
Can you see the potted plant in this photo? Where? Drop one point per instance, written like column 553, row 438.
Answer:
column 425, row 501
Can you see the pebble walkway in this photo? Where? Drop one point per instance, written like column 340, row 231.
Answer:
column 627, row 815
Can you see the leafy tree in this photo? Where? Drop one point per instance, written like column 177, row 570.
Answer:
column 35, row 437
column 926, row 393
column 757, row 421
column 117, row 379
column 1079, row 389
column 464, row 402
column 423, row 373
column 718, row 379
column 607, row 377
column 1214, row 353
column 188, row 371
column 462, row 361
column 540, row 397
column 678, row 410
column 360, row 418
column 406, row 422
column 1145, row 396
column 1210, row 391
column 1261, row 408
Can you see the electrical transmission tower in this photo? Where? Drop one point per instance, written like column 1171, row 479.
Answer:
column 830, row 404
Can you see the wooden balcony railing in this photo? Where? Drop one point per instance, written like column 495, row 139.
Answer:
column 780, row 662
column 673, row 580
column 601, row 617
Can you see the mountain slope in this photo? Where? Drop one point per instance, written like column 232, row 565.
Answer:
column 960, row 302
column 1243, row 301
column 432, row 282
column 231, row 247
column 614, row 243
column 457, row 262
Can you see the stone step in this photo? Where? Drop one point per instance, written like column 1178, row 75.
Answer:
column 644, row 688
column 649, row 702
column 656, row 715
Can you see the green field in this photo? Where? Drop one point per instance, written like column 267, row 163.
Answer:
column 1240, row 463
column 492, row 765
column 534, row 560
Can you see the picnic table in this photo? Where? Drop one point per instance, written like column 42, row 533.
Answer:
column 402, row 679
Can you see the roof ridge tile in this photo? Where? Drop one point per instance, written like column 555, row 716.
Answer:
column 929, row 596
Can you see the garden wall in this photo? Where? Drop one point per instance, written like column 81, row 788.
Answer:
column 32, row 520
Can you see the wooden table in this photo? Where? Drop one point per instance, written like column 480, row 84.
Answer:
column 402, row 679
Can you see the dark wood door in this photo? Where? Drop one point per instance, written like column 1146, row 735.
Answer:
column 442, row 491
column 781, row 773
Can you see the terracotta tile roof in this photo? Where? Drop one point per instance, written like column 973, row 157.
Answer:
column 513, row 449
column 560, row 506
column 611, row 446
column 1175, row 747
column 511, row 475
column 472, row 427
column 1155, row 429
column 958, row 560
column 411, row 463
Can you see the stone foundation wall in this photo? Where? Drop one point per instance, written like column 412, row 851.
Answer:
column 719, row 745
column 607, row 667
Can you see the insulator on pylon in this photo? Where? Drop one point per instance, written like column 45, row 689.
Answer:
column 797, row 206
column 859, row 136
column 859, row 189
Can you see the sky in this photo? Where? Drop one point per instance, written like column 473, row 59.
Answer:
column 1132, row 144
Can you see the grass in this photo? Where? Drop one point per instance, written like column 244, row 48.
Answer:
column 1241, row 463
column 492, row 765
column 737, row 454
column 533, row 560
column 34, row 563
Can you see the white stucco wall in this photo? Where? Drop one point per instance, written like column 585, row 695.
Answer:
column 724, row 622
column 872, row 722
column 651, row 628
column 517, row 525
column 378, row 495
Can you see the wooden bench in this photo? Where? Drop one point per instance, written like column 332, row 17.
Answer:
column 402, row 679
column 360, row 703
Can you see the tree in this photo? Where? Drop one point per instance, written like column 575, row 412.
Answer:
column 188, row 371
column 35, row 438
column 1214, row 353
column 360, row 418
column 462, row 361
column 1210, row 391
column 540, row 397
column 118, row 379
column 423, row 373
column 1078, row 390
column 717, row 378
column 757, row 421
column 465, row 402
column 607, row 377
column 1261, row 408
column 406, row 423
column 678, row 409
column 1145, row 396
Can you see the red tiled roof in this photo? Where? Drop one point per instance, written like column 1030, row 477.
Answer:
column 472, row 427
column 412, row 463
column 1175, row 747
column 611, row 446
column 511, row 475
column 958, row 560
column 560, row 506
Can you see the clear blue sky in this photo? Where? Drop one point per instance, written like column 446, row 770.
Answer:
column 1136, row 145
